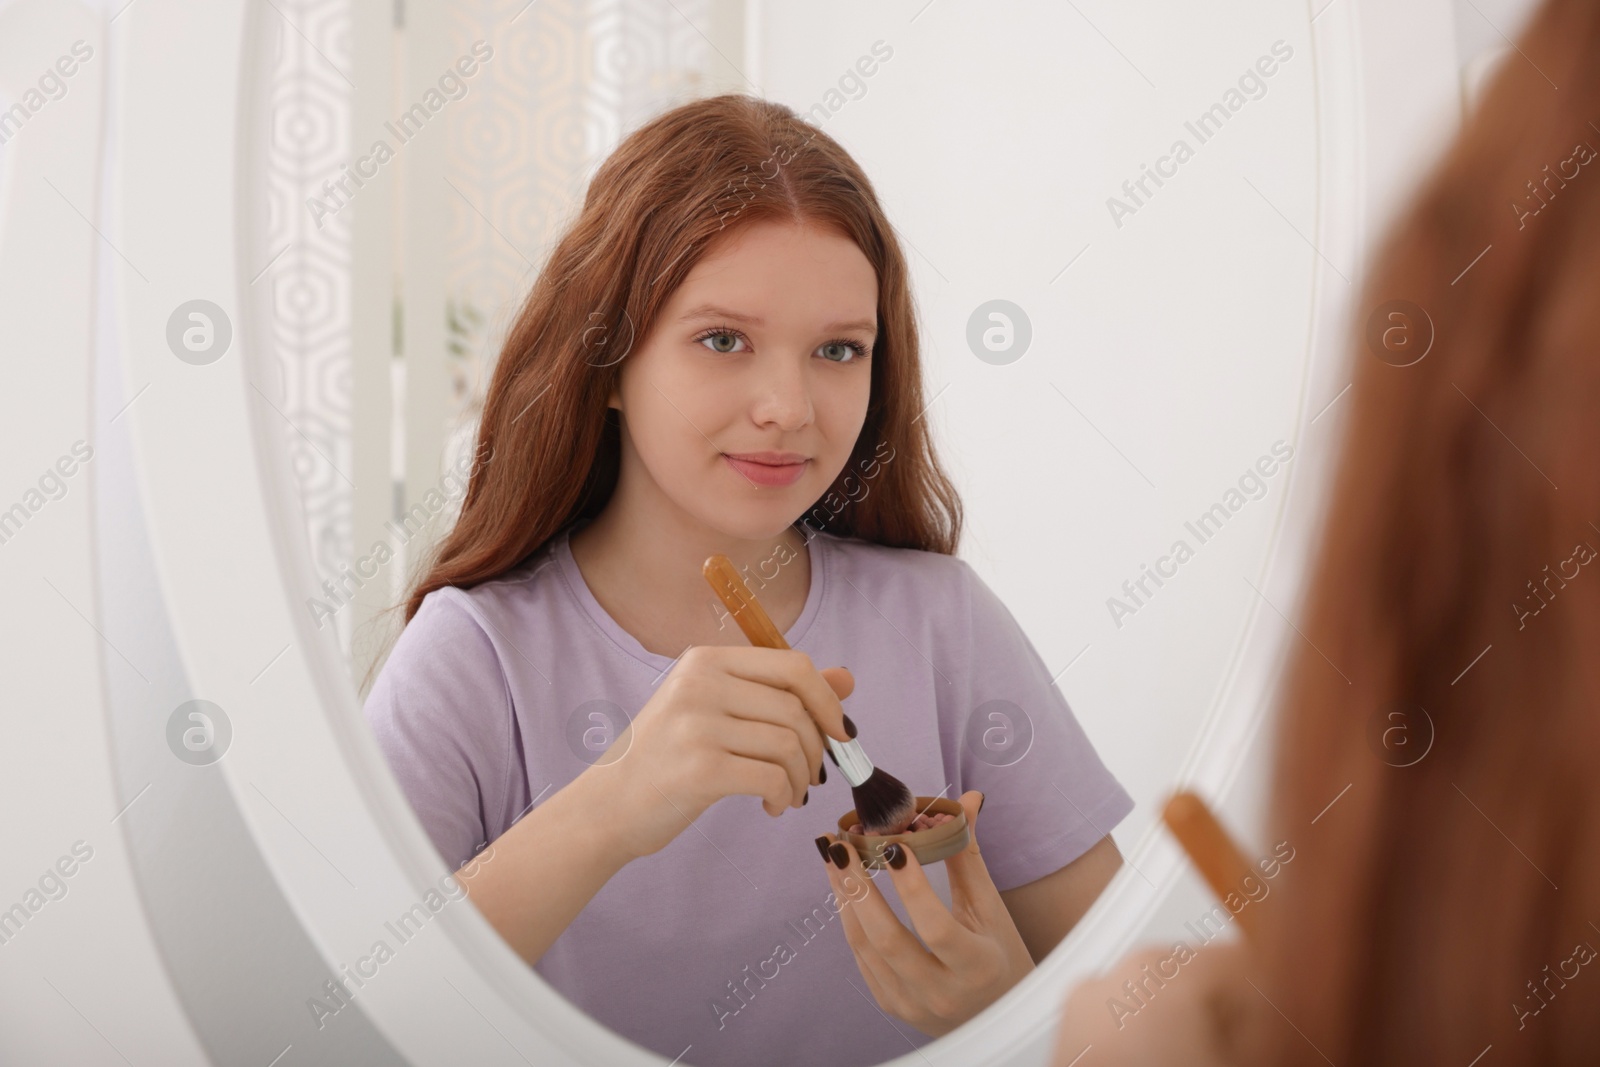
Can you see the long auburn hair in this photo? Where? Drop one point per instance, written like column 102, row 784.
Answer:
column 1439, row 907
column 549, row 445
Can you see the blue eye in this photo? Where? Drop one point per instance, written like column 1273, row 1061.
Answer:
column 721, row 333
column 858, row 350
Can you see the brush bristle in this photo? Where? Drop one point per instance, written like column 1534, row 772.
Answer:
column 883, row 803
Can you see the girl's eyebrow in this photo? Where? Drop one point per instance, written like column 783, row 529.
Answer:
column 712, row 311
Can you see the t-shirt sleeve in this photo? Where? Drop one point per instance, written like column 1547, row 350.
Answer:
column 1048, row 797
column 441, row 712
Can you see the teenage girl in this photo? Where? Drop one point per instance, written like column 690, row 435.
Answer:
column 721, row 357
column 1443, row 906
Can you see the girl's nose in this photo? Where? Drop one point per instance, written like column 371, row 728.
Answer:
column 784, row 395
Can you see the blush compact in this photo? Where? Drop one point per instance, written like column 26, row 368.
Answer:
column 941, row 838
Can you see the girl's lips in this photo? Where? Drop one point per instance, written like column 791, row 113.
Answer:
column 766, row 473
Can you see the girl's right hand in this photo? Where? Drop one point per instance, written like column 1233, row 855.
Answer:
column 728, row 720
column 1191, row 1006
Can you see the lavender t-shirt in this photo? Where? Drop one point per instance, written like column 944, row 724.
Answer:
column 726, row 946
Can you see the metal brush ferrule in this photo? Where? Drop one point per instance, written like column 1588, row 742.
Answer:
column 852, row 760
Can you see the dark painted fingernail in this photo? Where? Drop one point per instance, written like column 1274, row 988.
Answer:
column 982, row 799
column 822, row 774
column 895, row 855
column 822, row 846
column 831, row 757
column 849, row 727
column 839, row 855
column 805, row 799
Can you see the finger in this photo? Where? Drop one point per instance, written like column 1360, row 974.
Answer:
column 951, row 942
column 743, row 776
column 970, row 883
column 888, row 936
column 759, row 702
column 849, row 890
column 843, row 683
column 840, row 678
column 791, row 669
column 774, row 744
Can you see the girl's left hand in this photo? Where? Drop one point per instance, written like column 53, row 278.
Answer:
column 974, row 953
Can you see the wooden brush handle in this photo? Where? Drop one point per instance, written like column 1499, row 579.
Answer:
column 1212, row 851
column 757, row 625
column 742, row 603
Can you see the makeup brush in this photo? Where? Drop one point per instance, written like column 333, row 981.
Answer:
column 883, row 803
column 1212, row 851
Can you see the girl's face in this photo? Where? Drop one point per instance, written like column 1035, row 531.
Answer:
column 763, row 352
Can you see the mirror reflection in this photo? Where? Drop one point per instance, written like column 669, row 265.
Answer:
column 721, row 357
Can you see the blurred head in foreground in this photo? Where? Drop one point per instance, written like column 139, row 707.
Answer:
column 1449, row 901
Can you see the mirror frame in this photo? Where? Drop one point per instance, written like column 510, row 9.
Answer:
column 1383, row 78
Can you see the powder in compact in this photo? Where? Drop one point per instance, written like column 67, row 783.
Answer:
column 921, row 822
